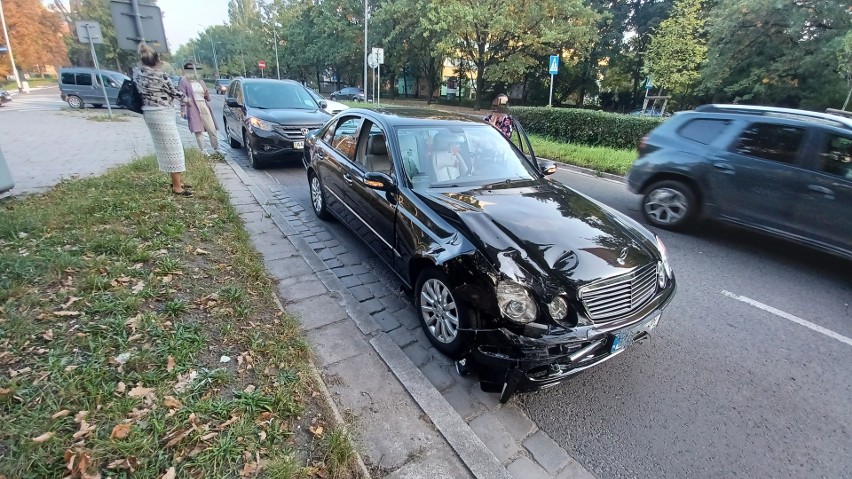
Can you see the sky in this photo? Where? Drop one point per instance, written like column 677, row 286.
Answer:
column 181, row 18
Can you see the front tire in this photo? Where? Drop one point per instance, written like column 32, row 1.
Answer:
column 318, row 197
column 75, row 102
column 669, row 204
column 252, row 156
column 231, row 141
column 445, row 320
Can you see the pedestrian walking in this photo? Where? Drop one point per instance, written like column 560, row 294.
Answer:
column 499, row 117
column 197, row 109
column 158, row 95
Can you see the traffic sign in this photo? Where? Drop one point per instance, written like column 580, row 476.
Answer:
column 372, row 60
column 380, row 55
column 89, row 32
column 554, row 64
column 135, row 22
column 261, row 64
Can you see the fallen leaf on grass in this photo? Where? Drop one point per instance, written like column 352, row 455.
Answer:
column 85, row 429
column 170, row 474
column 171, row 402
column 201, row 251
column 262, row 436
column 228, row 423
column 176, row 439
column 209, row 436
column 67, row 313
column 184, row 380
column 5, row 392
column 43, row 437
column 316, row 430
column 130, row 463
column 120, row 431
column 138, row 287
column 71, row 300
column 140, row 391
column 170, row 363
column 250, row 388
column 60, row 414
column 80, row 416
column 48, row 335
column 121, row 387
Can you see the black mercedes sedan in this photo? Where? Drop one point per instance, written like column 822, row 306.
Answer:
column 270, row 118
column 521, row 279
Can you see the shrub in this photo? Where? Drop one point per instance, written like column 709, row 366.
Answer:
column 586, row 127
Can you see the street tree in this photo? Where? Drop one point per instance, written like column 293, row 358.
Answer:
column 35, row 35
column 502, row 39
column 678, row 49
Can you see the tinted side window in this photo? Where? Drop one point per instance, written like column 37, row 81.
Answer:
column 836, row 158
column 771, row 142
column 703, row 131
column 345, row 137
column 238, row 93
column 68, row 79
column 84, row 79
column 109, row 81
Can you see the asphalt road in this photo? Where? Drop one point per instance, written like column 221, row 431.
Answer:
column 737, row 381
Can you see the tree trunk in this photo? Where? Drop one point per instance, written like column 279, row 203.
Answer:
column 480, row 84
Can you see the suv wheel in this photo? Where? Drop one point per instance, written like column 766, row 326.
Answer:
column 669, row 204
column 255, row 162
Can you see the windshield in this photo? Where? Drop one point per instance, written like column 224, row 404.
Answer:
column 466, row 155
column 279, row 96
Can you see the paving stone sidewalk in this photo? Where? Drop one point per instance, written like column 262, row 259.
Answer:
column 383, row 313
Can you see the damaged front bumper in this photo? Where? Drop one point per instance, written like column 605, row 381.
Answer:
column 508, row 362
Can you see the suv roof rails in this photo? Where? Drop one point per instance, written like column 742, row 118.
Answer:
column 777, row 112
column 843, row 113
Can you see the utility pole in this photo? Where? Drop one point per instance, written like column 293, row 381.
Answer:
column 9, row 46
column 275, row 39
column 366, row 17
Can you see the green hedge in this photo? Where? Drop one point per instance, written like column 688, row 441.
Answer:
column 585, row 127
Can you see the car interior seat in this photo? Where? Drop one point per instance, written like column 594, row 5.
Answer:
column 377, row 158
column 446, row 166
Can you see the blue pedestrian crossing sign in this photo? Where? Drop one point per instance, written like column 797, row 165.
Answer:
column 554, row 64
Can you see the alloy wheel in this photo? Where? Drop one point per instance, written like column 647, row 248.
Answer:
column 316, row 194
column 666, row 206
column 75, row 102
column 439, row 311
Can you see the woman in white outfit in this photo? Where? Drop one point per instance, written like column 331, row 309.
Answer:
column 197, row 109
column 158, row 96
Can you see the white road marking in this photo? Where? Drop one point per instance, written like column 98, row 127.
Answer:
column 790, row 317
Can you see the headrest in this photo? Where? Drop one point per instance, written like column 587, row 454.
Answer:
column 376, row 145
column 442, row 141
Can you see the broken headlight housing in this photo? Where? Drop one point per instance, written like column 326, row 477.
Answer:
column 515, row 302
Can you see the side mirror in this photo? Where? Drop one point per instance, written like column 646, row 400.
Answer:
column 547, row 167
column 232, row 102
column 379, row 181
column 323, row 104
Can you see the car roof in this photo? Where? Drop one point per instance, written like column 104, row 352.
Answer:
column 778, row 112
column 413, row 116
column 87, row 70
column 266, row 80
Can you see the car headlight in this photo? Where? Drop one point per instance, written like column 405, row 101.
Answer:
column 557, row 308
column 664, row 258
column 515, row 302
column 260, row 124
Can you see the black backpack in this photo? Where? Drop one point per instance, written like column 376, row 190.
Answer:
column 129, row 97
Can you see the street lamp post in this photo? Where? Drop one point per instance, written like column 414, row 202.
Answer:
column 213, row 45
column 275, row 39
column 366, row 17
column 9, row 47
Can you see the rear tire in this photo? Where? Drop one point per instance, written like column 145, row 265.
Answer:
column 445, row 320
column 318, row 197
column 75, row 102
column 670, row 204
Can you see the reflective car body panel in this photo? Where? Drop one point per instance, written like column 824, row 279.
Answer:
column 525, row 229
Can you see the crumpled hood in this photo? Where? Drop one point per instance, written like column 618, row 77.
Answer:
column 543, row 231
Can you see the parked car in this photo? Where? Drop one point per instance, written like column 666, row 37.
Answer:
column 779, row 171
column 332, row 107
column 519, row 278
column 5, row 96
column 270, row 118
column 221, row 85
column 79, row 86
column 350, row 93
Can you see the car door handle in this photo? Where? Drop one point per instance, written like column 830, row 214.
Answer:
column 725, row 168
column 348, row 178
column 821, row 190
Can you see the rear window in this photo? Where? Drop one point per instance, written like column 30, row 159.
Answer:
column 68, row 79
column 84, row 79
column 703, row 130
column 771, row 142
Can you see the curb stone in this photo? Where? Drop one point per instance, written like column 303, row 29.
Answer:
column 464, row 392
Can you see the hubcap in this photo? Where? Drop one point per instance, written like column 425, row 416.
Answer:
column 439, row 311
column 316, row 194
column 666, row 206
column 75, row 102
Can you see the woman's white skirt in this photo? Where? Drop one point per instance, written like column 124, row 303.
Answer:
column 163, row 127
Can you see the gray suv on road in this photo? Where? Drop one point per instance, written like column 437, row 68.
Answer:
column 780, row 171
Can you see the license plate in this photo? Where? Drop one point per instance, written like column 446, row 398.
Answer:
column 298, row 145
column 625, row 337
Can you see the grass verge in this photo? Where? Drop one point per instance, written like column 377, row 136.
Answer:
column 607, row 160
column 138, row 336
